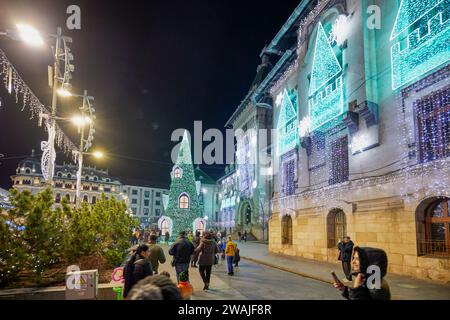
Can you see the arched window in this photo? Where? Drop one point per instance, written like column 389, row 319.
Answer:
column 27, row 171
column 85, row 199
column 435, row 239
column 286, row 230
column 336, row 227
column 69, row 176
column 95, row 179
column 177, row 173
column 164, row 227
column 183, row 201
column 59, row 174
column 94, row 199
column 58, row 198
column 68, row 197
column 86, row 178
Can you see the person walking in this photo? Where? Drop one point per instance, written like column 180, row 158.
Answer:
column 167, row 237
column 245, row 236
column 181, row 251
column 240, row 236
column 196, row 242
column 230, row 252
column 237, row 258
column 345, row 247
column 207, row 251
column 156, row 253
column 146, row 235
column 362, row 259
column 137, row 268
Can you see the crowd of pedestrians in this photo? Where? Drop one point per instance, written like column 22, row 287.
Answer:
column 202, row 251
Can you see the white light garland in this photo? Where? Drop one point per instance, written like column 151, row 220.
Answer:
column 15, row 85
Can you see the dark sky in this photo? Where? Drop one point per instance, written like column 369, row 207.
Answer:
column 153, row 66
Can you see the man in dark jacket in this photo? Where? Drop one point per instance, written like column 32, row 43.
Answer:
column 156, row 253
column 345, row 254
column 181, row 251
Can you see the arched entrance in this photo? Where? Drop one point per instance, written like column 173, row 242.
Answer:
column 336, row 227
column 433, row 227
column 199, row 225
column 165, row 224
column 286, row 230
column 246, row 214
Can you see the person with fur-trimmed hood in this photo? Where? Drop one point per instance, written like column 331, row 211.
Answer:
column 367, row 285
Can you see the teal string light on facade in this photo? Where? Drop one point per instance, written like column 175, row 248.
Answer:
column 326, row 92
column 420, row 39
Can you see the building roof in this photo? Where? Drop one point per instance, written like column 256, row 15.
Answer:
column 33, row 162
column 144, row 183
column 201, row 176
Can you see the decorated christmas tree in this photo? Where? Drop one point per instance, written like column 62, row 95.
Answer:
column 183, row 207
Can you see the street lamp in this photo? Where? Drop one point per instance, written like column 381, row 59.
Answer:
column 61, row 53
column 29, row 35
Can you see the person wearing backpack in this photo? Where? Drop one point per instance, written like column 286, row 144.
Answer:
column 230, row 252
column 181, row 251
column 137, row 268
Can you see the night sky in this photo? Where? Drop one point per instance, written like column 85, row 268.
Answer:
column 152, row 66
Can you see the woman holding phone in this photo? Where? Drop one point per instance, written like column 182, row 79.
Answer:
column 377, row 288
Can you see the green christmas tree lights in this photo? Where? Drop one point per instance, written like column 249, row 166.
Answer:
column 287, row 123
column 183, row 207
column 421, row 37
column 326, row 95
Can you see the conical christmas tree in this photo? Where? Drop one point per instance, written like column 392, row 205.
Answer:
column 183, row 207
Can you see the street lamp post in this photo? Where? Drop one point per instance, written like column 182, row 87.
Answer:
column 51, row 145
column 83, row 148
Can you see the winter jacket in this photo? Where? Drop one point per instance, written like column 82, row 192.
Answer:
column 207, row 250
column 181, row 251
column 345, row 251
column 230, row 249
column 369, row 257
column 156, row 256
column 196, row 241
column 135, row 272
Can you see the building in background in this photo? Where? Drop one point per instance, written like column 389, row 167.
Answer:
column 5, row 203
column 253, row 154
column 362, row 144
column 208, row 196
column 94, row 181
column 229, row 199
column 145, row 201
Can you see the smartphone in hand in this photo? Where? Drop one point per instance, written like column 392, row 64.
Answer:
column 335, row 278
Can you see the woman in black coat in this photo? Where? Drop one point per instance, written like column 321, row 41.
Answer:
column 207, row 251
column 367, row 285
column 137, row 268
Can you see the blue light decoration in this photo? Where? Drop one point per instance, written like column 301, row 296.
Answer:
column 245, row 157
column 326, row 92
column 287, row 128
column 422, row 39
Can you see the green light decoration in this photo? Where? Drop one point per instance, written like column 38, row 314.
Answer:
column 183, row 184
column 326, row 92
column 287, row 123
column 421, row 36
